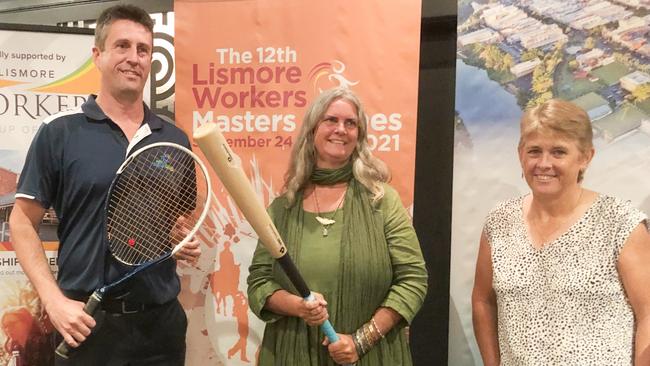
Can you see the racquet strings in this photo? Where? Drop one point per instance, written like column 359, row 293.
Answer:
column 153, row 204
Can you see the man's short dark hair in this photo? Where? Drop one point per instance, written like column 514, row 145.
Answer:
column 120, row 12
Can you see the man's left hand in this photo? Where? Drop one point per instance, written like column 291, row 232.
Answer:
column 190, row 252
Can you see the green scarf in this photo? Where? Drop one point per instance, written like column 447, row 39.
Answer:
column 362, row 240
column 328, row 177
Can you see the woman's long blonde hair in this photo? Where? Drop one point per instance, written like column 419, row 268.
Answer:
column 369, row 170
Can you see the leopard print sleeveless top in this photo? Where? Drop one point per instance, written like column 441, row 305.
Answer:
column 563, row 304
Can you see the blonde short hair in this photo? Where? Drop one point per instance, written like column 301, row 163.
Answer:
column 560, row 118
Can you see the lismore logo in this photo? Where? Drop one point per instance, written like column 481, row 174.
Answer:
column 327, row 75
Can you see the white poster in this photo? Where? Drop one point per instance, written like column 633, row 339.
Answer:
column 41, row 73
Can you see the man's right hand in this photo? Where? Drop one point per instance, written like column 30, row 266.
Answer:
column 70, row 319
column 67, row 316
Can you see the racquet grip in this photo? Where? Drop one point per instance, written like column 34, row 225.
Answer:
column 90, row 308
column 326, row 327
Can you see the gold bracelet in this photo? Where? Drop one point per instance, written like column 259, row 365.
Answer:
column 365, row 347
column 376, row 327
column 366, row 337
column 372, row 335
column 368, row 333
column 357, row 344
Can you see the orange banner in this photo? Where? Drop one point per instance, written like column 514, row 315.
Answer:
column 252, row 67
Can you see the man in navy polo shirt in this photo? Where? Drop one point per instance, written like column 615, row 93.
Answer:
column 70, row 165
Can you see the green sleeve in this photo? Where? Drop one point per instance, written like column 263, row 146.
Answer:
column 261, row 283
column 409, row 285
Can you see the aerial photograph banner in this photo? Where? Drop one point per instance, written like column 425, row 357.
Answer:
column 516, row 54
column 252, row 68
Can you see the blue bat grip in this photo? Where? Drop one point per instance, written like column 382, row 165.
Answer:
column 326, row 327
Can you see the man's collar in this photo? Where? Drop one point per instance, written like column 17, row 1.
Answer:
column 150, row 118
column 92, row 110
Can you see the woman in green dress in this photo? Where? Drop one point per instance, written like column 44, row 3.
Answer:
column 352, row 241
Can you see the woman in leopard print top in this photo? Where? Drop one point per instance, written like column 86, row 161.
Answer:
column 562, row 274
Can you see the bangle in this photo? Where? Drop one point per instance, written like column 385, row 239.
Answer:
column 363, row 346
column 366, row 337
column 376, row 327
column 357, row 345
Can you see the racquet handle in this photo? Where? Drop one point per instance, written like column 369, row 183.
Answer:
column 326, row 327
column 90, row 308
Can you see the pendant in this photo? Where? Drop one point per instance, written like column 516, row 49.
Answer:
column 325, row 223
column 324, row 220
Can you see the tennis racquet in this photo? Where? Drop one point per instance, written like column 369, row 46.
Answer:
column 155, row 204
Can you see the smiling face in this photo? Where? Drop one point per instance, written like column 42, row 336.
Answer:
column 124, row 60
column 552, row 163
column 336, row 135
